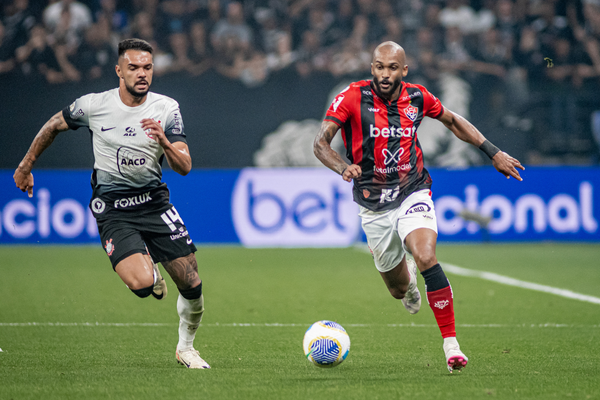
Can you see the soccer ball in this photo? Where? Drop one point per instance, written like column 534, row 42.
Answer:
column 326, row 344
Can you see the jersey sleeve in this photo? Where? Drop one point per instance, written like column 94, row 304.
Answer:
column 340, row 109
column 174, row 125
column 78, row 114
column 432, row 106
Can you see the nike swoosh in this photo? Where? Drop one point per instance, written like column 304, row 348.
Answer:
column 189, row 241
column 107, row 129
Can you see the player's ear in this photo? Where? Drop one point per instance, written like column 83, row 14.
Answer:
column 118, row 71
column 405, row 71
column 372, row 71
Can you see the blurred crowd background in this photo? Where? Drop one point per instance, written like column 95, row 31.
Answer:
column 528, row 66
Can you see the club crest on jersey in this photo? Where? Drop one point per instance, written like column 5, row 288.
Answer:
column 411, row 112
column 109, row 247
column 366, row 193
column 337, row 101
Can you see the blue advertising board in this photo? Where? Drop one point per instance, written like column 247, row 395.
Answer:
column 313, row 207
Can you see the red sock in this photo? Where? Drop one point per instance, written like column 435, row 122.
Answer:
column 441, row 303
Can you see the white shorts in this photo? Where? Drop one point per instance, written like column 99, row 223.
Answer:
column 387, row 230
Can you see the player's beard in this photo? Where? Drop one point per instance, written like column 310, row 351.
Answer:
column 388, row 92
column 137, row 93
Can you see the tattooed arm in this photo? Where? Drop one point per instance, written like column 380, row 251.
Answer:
column 329, row 157
column 23, row 176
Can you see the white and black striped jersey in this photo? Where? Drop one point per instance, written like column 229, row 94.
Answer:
column 125, row 158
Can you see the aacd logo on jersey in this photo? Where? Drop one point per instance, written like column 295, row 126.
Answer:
column 294, row 208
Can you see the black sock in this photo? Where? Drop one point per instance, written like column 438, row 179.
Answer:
column 435, row 279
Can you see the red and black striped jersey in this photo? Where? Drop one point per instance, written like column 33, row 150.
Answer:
column 381, row 137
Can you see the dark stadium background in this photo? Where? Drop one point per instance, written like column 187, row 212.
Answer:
column 227, row 115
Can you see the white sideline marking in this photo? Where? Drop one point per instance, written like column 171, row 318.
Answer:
column 282, row 325
column 505, row 280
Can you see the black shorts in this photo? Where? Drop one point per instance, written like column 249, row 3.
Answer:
column 163, row 232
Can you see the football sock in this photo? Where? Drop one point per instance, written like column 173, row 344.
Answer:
column 190, row 314
column 144, row 292
column 439, row 297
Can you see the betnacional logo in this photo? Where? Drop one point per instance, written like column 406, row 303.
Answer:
column 294, row 208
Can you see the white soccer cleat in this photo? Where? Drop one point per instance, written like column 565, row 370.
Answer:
column 455, row 358
column 191, row 359
column 159, row 290
column 412, row 299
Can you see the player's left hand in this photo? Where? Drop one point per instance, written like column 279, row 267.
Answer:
column 154, row 131
column 507, row 165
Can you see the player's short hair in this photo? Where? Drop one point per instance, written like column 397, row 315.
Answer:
column 134, row 44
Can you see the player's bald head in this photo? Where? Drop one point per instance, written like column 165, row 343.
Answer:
column 390, row 50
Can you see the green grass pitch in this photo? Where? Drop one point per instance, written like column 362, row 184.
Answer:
column 522, row 344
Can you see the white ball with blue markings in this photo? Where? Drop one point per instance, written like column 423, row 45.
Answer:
column 326, row 344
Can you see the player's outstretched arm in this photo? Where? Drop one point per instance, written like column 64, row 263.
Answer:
column 23, row 176
column 465, row 131
column 329, row 157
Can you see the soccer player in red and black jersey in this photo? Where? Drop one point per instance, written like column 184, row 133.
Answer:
column 379, row 120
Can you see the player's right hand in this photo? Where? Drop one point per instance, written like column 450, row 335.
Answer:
column 351, row 172
column 24, row 181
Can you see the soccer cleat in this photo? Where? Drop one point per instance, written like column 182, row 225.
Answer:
column 455, row 358
column 159, row 290
column 412, row 299
column 191, row 359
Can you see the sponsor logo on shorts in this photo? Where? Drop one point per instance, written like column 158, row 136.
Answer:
column 98, row 206
column 180, row 235
column 441, row 304
column 133, row 201
column 418, row 207
column 110, row 247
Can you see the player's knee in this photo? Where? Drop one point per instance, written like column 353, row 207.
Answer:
column 398, row 292
column 192, row 293
column 139, row 282
column 143, row 292
column 425, row 260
